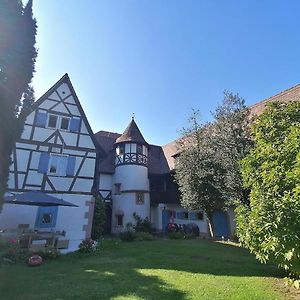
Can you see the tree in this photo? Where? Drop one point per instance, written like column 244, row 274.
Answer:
column 17, row 59
column 270, row 225
column 207, row 168
column 99, row 218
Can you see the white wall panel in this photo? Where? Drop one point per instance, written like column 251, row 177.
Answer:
column 22, row 159
column 47, row 104
column 83, row 185
column 73, row 109
column 34, row 177
column 106, row 182
column 30, row 118
column 26, row 132
column 88, row 168
column 63, row 91
column 69, row 138
column 86, row 142
column 54, row 96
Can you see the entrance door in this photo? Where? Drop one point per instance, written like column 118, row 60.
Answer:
column 220, row 224
column 166, row 215
column 46, row 217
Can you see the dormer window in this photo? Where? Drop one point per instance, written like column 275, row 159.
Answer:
column 52, row 121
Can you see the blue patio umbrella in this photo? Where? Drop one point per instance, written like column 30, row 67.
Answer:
column 36, row 198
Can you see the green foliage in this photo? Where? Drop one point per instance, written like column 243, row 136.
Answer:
column 144, row 236
column 142, row 225
column 17, row 59
column 270, row 225
column 128, row 235
column 87, row 246
column 207, row 168
column 11, row 251
column 99, row 218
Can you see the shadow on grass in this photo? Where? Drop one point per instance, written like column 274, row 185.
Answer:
column 117, row 273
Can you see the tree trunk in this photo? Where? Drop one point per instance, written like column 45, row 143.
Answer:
column 210, row 227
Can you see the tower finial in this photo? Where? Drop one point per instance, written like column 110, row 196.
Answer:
column 132, row 117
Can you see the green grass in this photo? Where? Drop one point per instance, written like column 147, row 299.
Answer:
column 160, row 269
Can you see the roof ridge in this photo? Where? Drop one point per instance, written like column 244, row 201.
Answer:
column 274, row 96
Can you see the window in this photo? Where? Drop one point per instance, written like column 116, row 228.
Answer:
column 139, row 149
column 185, row 215
column 46, row 218
column 58, row 165
column 64, row 123
column 119, row 220
column 199, row 215
column 52, row 121
column 120, row 150
column 139, row 198
column 117, row 188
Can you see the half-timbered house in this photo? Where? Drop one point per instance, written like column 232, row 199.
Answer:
column 56, row 155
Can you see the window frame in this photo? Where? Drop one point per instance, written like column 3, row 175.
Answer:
column 61, row 120
column 57, row 173
column 48, row 121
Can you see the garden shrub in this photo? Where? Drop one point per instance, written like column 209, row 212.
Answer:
column 87, row 246
column 142, row 225
column 269, row 225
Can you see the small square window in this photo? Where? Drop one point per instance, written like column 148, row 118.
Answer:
column 185, row 215
column 64, row 124
column 52, row 121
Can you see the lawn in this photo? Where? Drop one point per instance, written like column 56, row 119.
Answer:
column 160, row 269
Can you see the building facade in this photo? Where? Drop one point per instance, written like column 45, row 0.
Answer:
column 56, row 155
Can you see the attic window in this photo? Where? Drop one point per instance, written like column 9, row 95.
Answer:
column 64, row 124
column 52, row 121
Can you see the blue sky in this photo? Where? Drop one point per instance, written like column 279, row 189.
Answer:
column 162, row 58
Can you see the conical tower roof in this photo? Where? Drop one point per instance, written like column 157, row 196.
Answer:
column 131, row 134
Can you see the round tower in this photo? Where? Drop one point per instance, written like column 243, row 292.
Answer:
column 131, row 183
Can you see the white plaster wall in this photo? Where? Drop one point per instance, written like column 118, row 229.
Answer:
column 63, row 88
column 54, row 96
column 60, row 108
column 30, row 118
column 106, row 182
column 126, row 202
column 73, row 109
column 60, row 183
column 83, row 185
column 27, row 146
column 47, row 104
column 21, row 178
column 83, row 128
column 70, row 100
column 11, row 181
column 69, row 219
column 26, row 132
column 74, row 152
column 132, row 177
column 86, row 142
column 22, row 159
column 202, row 224
column 70, row 138
column 72, row 219
column 35, row 160
column 34, row 177
column 88, row 168
column 12, row 215
column 41, row 134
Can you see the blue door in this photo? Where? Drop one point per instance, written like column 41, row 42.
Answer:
column 166, row 215
column 220, row 224
column 46, row 217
